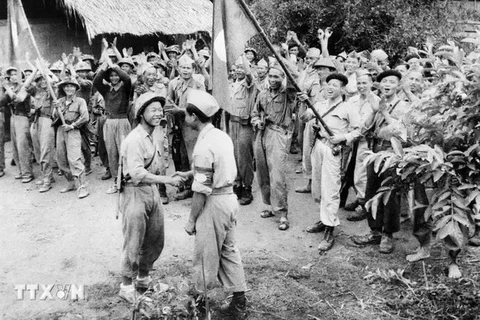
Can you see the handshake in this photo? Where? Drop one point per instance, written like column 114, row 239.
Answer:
column 179, row 179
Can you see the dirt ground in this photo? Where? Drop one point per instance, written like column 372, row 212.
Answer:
column 55, row 238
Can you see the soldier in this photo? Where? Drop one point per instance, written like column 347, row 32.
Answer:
column 139, row 198
column 323, row 67
column 390, row 111
column 351, row 65
column 242, row 100
column 364, row 102
column 19, row 102
column 214, row 207
column 42, row 132
column 69, row 140
column 80, row 72
column 261, row 81
column 327, row 156
column 116, row 94
column 272, row 116
column 183, row 136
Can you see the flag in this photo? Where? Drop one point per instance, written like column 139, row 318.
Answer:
column 232, row 28
column 19, row 39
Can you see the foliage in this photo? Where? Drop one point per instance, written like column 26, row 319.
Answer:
column 362, row 24
column 445, row 153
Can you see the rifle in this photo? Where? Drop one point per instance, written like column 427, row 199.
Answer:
column 282, row 64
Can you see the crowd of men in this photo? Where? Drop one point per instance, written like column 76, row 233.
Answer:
column 82, row 107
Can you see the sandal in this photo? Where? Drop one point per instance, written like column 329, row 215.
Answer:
column 284, row 224
column 267, row 214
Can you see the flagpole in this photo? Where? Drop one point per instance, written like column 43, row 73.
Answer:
column 42, row 67
column 282, row 64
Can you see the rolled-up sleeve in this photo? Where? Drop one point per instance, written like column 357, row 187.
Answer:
column 203, row 173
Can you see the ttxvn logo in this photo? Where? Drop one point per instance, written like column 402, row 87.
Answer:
column 50, row 291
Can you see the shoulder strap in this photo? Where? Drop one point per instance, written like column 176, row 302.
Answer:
column 153, row 158
column 331, row 109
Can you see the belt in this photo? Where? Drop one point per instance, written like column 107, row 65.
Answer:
column 141, row 184
column 117, row 116
column 240, row 120
column 276, row 127
column 21, row 114
column 42, row 115
column 224, row 190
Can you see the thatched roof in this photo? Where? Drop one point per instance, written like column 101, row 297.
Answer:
column 142, row 17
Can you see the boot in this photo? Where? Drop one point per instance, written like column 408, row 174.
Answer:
column 82, row 190
column 47, row 184
column 247, row 196
column 328, row 240
column 236, row 310
column 238, row 190
column 71, row 183
column 352, row 205
column 358, row 215
column 107, row 175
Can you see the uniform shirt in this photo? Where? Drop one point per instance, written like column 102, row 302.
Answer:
column 277, row 108
column 213, row 163
column 116, row 97
column 43, row 102
column 178, row 88
column 137, row 151
column 3, row 99
column 343, row 120
column 242, row 98
column 398, row 110
column 364, row 106
column 20, row 107
column 85, row 91
column 74, row 111
column 262, row 84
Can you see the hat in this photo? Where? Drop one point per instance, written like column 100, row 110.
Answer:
column 185, row 59
column 146, row 66
column 278, row 67
column 249, row 49
column 128, row 61
column 362, row 72
column 354, row 55
column 262, row 63
column 10, row 69
column 314, row 52
column 338, row 76
column 83, row 66
column 88, row 57
column 38, row 76
column 111, row 53
column 389, row 73
column 152, row 54
column 173, row 48
column 204, row 52
column 68, row 80
column 56, row 66
column 411, row 56
column 325, row 62
column 445, row 47
column 342, row 55
column 203, row 101
column 379, row 54
column 160, row 63
column 145, row 99
column 27, row 69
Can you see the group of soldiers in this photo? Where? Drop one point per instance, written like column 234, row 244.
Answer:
column 138, row 111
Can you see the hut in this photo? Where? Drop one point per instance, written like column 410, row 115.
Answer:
column 59, row 25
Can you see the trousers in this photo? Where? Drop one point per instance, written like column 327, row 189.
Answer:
column 307, row 150
column 360, row 171
column 102, row 149
column 215, row 246
column 271, row 156
column 242, row 137
column 114, row 131
column 69, row 152
column 142, row 228
column 43, row 136
column 326, row 182
column 23, row 143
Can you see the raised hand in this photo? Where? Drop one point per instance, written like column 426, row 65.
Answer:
column 328, row 33
column 114, row 43
column 320, row 34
